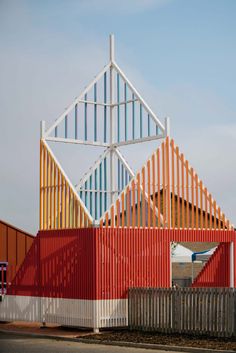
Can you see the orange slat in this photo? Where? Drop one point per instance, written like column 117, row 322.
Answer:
column 106, row 220
column 138, row 199
column 163, row 184
column 149, row 193
column 173, row 182
column 63, row 201
column 58, row 199
column 192, row 198
column 153, row 191
column 178, row 188
column 168, row 182
column 143, row 199
column 201, row 206
column 45, row 190
column 210, row 212
column 196, row 192
column 206, row 208
column 41, row 187
column 49, row 193
column 219, row 218
column 128, row 206
column 158, row 189
column 133, row 203
column 182, row 179
column 55, row 197
column 112, row 216
column 214, row 205
column 118, row 212
column 187, row 194
column 123, row 210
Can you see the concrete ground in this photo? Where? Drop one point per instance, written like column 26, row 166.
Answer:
column 10, row 343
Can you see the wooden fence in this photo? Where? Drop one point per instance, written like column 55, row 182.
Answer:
column 203, row 311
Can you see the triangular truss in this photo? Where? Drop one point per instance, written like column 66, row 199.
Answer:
column 109, row 113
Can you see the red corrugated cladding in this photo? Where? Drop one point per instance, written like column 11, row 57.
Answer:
column 102, row 263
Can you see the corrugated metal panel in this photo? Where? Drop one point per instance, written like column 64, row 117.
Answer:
column 102, row 263
column 216, row 271
column 14, row 245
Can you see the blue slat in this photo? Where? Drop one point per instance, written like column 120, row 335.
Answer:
column 100, row 188
column 118, row 108
column 122, row 177
column 141, row 120
column 105, row 108
column 125, row 94
column 91, row 195
column 66, row 126
column 118, row 174
column 105, row 184
column 86, row 194
column 95, row 112
column 85, row 118
column 148, row 125
column 96, row 194
column 76, row 121
column 133, row 117
column 156, row 130
column 56, row 131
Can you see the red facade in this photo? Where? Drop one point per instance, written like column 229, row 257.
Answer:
column 102, row 263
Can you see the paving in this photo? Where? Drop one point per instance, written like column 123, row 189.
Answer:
column 10, row 343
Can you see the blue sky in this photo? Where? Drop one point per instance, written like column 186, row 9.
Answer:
column 180, row 54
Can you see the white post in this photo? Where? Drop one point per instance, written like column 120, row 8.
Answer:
column 167, row 126
column 231, row 269
column 112, row 125
column 42, row 128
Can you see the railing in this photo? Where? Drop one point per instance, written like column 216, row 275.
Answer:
column 210, row 311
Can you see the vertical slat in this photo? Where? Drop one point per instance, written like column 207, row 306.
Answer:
column 182, row 181
column 128, row 206
column 105, row 183
column 149, row 132
column 95, row 112
column 197, row 208
column 138, row 199
column 192, row 196
column 143, row 199
column 168, row 202
column 214, row 206
column 76, row 121
column 122, row 210
column 112, row 216
column 219, row 218
column 118, row 108
column 85, row 119
column 67, row 204
column 163, row 184
column 133, row 203
column 45, row 189
column 125, row 106
column 52, row 190
column 158, row 189
column 210, row 210
column 206, row 208
column 66, row 126
column 41, row 185
column 173, row 182
column 91, row 194
column 153, row 191
column 59, row 188
column 178, row 187
column 105, row 107
column 63, row 201
column 187, row 193
column 201, row 205
column 96, row 194
column 100, row 188
column 118, row 212
column 55, row 224
column 149, row 193
column 141, row 120
column 133, row 117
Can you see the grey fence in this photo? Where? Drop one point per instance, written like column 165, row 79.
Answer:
column 204, row 311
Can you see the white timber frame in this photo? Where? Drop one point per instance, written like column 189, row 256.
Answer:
column 111, row 147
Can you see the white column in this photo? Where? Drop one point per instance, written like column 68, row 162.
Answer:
column 231, row 269
column 42, row 128
column 167, row 126
column 112, row 125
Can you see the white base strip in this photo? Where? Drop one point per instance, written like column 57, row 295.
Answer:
column 69, row 312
